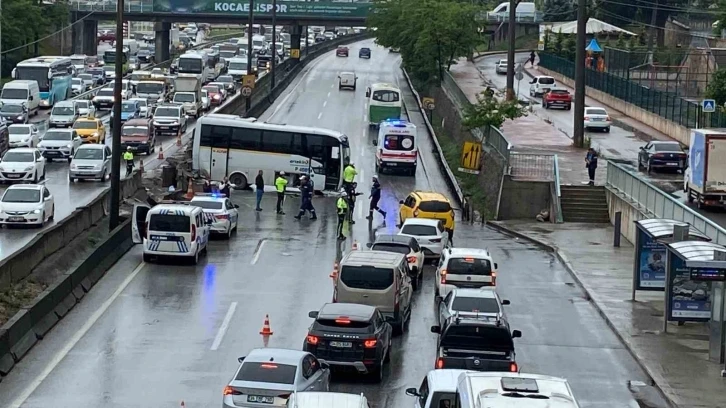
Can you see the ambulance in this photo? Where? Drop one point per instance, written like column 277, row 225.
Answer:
column 171, row 229
column 397, row 148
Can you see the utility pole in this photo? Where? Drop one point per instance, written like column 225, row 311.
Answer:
column 274, row 44
column 578, row 136
column 511, row 34
column 249, row 50
column 116, row 120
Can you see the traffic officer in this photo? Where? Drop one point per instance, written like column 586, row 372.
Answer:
column 306, row 204
column 342, row 206
column 129, row 158
column 375, row 197
column 349, row 174
column 280, row 185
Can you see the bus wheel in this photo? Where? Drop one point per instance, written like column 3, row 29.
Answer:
column 239, row 180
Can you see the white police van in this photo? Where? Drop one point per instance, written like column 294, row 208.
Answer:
column 397, row 147
column 171, row 229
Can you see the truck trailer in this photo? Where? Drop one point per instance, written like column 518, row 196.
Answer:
column 705, row 179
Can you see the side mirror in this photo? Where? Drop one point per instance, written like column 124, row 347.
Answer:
column 338, row 76
column 496, row 265
column 412, row 392
column 324, row 365
column 46, row 198
column 236, row 206
column 437, row 329
column 400, row 201
column 313, row 314
column 369, row 245
column 375, row 142
column 505, row 302
column 516, row 334
column 368, row 93
column 241, row 359
column 40, row 160
column 642, row 147
column 31, row 97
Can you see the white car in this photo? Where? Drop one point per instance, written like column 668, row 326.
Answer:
column 22, row 164
column 88, row 80
column 540, row 85
column 437, row 388
column 597, row 118
column 206, row 102
column 144, row 106
column 26, row 204
column 404, row 245
column 60, row 144
column 464, row 268
column 78, row 86
column 225, row 213
column 85, row 108
column 23, row 136
column 501, row 67
column 430, row 234
column 482, row 303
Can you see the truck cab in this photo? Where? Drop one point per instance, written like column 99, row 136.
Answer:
column 188, row 93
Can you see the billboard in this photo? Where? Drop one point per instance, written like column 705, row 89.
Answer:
column 650, row 262
column 284, row 8
column 688, row 300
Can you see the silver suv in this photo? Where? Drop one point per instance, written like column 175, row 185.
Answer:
column 169, row 118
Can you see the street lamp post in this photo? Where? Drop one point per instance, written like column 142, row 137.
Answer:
column 116, row 121
column 249, row 50
column 274, row 44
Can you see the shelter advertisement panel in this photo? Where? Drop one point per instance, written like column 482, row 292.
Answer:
column 687, row 300
column 284, row 8
column 651, row 259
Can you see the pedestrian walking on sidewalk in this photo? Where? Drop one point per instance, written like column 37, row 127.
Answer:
column 591, row 165
column 259, row 189
column 532, row 56
column 280, row 186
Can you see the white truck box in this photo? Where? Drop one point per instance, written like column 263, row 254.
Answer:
column 705, row 178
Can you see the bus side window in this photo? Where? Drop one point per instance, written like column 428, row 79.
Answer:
column 335, row 153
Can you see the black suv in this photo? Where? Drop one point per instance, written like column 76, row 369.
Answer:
column 350, row 336
column 404, row 245
column 479, row 345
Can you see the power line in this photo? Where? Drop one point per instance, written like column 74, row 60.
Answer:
column 49, row 35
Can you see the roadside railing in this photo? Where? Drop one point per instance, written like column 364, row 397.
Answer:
column 529, row 17
column 495, row 138
column 130, row 6
column 655, row 203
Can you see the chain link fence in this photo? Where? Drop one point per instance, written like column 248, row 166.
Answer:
column 532, row 167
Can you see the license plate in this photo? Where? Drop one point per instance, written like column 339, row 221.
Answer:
column 597, row 119
column 545, row 89
column 52, row 153
column 16, row 219
column 672, row 164
column 342, row 344
column 86, row 173
column 391, row 164
column 14, row 175
column 260, row 399
column 163, row 127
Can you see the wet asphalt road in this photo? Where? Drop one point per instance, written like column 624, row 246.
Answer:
column 145, row 335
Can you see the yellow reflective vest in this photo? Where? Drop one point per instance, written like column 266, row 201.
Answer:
column 349, row 174
column 280, row 184
column 342, row 205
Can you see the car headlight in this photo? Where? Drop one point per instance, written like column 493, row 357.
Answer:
column 95, row 134
column 36, row 211
column 19, row 117
column 29, row 168
column 69, row 146
column 73, row 166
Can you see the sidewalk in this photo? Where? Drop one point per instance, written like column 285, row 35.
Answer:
column 678, row 360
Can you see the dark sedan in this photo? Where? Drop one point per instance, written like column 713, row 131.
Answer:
column 14, row 113
column 145, row 56
column 341, row 52
column 662, row 155
column 364, row 52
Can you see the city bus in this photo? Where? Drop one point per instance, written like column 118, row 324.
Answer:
column 53, row 75
column 197, row 63
column 384, row 102
column 235, row 147
column 109, row 58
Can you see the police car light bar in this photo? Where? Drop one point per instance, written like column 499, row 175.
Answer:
column 215, row 195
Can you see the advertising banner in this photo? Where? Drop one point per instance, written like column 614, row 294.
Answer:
column 651, row 263
column 284, row 8
column 687, row 300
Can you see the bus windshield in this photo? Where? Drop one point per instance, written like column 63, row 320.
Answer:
column 150, row 88
column 39, row 74
column 238, row 66
column 190, row 65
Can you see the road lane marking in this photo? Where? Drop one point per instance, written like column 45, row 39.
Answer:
column 320, row 115
column 225, row 325
column 310, row 68
column 28, row 391
column 328, row 94
column 360, row 211
column 258, row 251
column 325, row 103
column 364, row 117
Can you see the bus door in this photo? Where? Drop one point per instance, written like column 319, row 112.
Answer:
column 332, row 167
column 218, row 169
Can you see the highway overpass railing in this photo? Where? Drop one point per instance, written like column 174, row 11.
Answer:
column 656, row 203
column 530, row 17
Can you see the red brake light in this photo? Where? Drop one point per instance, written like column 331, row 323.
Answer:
column 443, row 276
column 230, row 391
column 222, row 217
column 411, row 259
column 370, row 343
column 586, row 118
column 439, row 363
column 268, row 365
column 607, row 118
column 194, row 233
column 342, row 321
column 468, row 259
column 313, row 340
column 494, row 278
column 514, row 367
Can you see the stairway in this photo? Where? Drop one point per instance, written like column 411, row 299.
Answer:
column 584, row 204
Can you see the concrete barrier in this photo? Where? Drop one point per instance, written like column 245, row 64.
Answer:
column 21, row 263
column 30, row 325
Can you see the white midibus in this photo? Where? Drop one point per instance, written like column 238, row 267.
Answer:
column 197, row 63
column 228, row 145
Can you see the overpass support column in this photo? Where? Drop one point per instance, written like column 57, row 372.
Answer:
column 89, row 34
column 161, row 38
column 295, row 35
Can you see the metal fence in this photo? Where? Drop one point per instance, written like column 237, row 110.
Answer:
column 656, row 203
column 521, row 17
column 665, row 104
column 532, row 167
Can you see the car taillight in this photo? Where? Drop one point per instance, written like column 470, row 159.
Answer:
column 370, row 343
column 230, row 391
column 313, row 340
column 607, row 118
column 586, row 118
column 513, row 367
column 443, row 276
column 194, row 232
column 222, row 217
column 411, row 259
column 494, row 278
column 415, row 213
column 658, row 155
column 439, row 363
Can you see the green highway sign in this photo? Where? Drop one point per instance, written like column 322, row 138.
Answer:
column 284, row 8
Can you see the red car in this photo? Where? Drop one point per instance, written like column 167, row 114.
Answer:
column 557, row 97
column 215, row 94
column 106, row 36
column 341, row 52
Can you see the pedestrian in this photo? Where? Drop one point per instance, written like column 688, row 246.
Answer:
column 224, row 188
column 206, row 187
column 349, row 174
column 306, row 203
column 280, row 186
column 375, row 197
column 259, row 189
column 532, row 56
column 342, row 206
column 591, row 165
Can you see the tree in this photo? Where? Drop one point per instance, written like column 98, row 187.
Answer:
column 488, row 111
column 559, row 42
column 716, row 88
column 621, row 41
column 569, row 49
column 431, row 34
column 559, row 10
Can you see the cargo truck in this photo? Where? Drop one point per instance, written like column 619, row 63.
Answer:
column 705, row 179
column 188, row 92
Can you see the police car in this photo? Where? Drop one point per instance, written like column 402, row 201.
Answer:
column 221, row 208
column 171, row 229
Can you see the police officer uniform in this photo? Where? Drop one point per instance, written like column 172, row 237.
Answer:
column 306, row 204
column 280, row 186
column 375, row 197
column 342, row 206
column 349, row 174
column 129, row 159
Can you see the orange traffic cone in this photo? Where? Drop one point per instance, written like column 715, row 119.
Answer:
column 178, row 139
column 266, row 330
column 334, row 275
column 161, row 152
column 190, row 190
column 355, row 245
column 141, row 166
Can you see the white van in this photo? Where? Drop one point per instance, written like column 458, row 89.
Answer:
column 496, row 389
column 397, row 146
column 259, row 45
column 22, row 91
column 523, row 11
column 177, row 229
column 315, row 399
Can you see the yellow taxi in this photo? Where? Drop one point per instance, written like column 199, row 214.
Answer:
column 428, row 204
column 91, row 130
